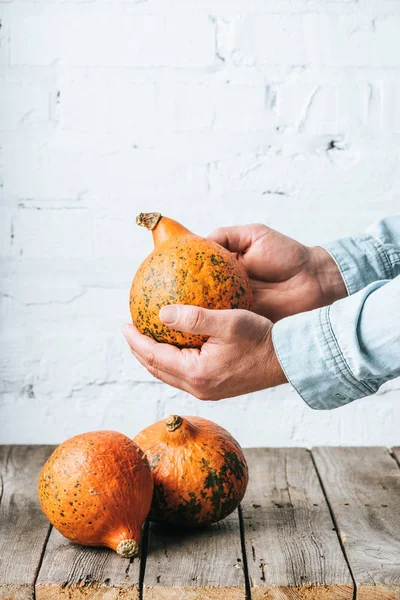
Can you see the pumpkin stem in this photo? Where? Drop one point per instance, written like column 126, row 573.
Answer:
column 148, row 220
column 173, row 422
column 127, row 548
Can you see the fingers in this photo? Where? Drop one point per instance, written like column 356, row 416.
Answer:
column 193, row 319
column 160, row 357
column 179, row 368
column 163, row 376
column 235, row 239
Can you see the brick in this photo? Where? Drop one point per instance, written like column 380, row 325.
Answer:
column 391, row 107
column 268, row 39
column 65, row 365
column 116, row 238
column 6, row 231
column 320, row 109
column 115, row 40
column 57, row 285
column 94, row 104
column 354, row 105
column 308, row 107
column 186, row 107
column 352, row 40
column 60, row 182
column 23, row 104
column 36, row 40
column 53, row 233
column 139, row 173
column 240, row 107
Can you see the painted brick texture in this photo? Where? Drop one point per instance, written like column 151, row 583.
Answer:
column 215, row 113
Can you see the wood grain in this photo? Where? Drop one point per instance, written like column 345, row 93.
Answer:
column 292, row 549
column 195, row 565
column 72, row 571
column 23, row 526
column 363, row 488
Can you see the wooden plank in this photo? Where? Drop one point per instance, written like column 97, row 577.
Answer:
column 72, row 571
column 23, row 526
column 292, row 549
column 204, row 564
column 363, row 488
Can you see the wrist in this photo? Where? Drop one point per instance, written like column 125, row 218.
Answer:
column 328, row 275
column 274, row 370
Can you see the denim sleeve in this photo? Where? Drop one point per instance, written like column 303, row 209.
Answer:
column 370, row 257
column 339, row 353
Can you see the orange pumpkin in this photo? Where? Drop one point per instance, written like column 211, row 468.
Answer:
column 96, row 489
column 184, row 269
column 199, row 471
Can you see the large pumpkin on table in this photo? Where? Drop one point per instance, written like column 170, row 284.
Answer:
column 199, row 471
column 96, row 489
column 184, row 268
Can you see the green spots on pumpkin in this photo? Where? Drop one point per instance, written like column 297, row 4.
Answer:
column 188, row 510
column 215, row 482
column 236, row 466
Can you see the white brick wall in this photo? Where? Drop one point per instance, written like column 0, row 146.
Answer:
column 214, row 112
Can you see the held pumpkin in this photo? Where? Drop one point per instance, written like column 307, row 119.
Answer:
column 96, row 489
column 199, row 471
column 184, row 268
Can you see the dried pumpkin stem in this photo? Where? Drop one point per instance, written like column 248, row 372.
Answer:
column 127, row 548
column 148, row 220
column 173, row 422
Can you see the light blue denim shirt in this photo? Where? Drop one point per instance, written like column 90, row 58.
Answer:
column 339, row 353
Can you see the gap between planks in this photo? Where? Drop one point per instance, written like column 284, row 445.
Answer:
column 362, row 486
column 380, row 590
column 292, row 548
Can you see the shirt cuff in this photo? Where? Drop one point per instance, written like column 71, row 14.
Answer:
column 312, row 361
column 361, row 261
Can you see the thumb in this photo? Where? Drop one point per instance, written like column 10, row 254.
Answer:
column 194, row 319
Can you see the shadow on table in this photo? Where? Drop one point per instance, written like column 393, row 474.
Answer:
column 163, row 537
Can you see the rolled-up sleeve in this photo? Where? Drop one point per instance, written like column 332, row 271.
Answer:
column 339, row 353
column 369, row 257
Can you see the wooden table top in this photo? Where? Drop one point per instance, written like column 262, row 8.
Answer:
column 312, row 526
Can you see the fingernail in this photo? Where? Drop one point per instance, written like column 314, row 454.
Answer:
column 168, row 314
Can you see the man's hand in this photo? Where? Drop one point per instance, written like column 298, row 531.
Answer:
column 286, row 277
column 237, row 358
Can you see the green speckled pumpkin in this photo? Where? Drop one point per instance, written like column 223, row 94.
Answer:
column 199, row 471
column 184, row 268
column 96, row 489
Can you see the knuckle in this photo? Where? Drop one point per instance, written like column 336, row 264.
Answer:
column 151, row 360
column 235, row 326
column 242, row 324
column 199, row 381
column 218, row 233
column 193, row 320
